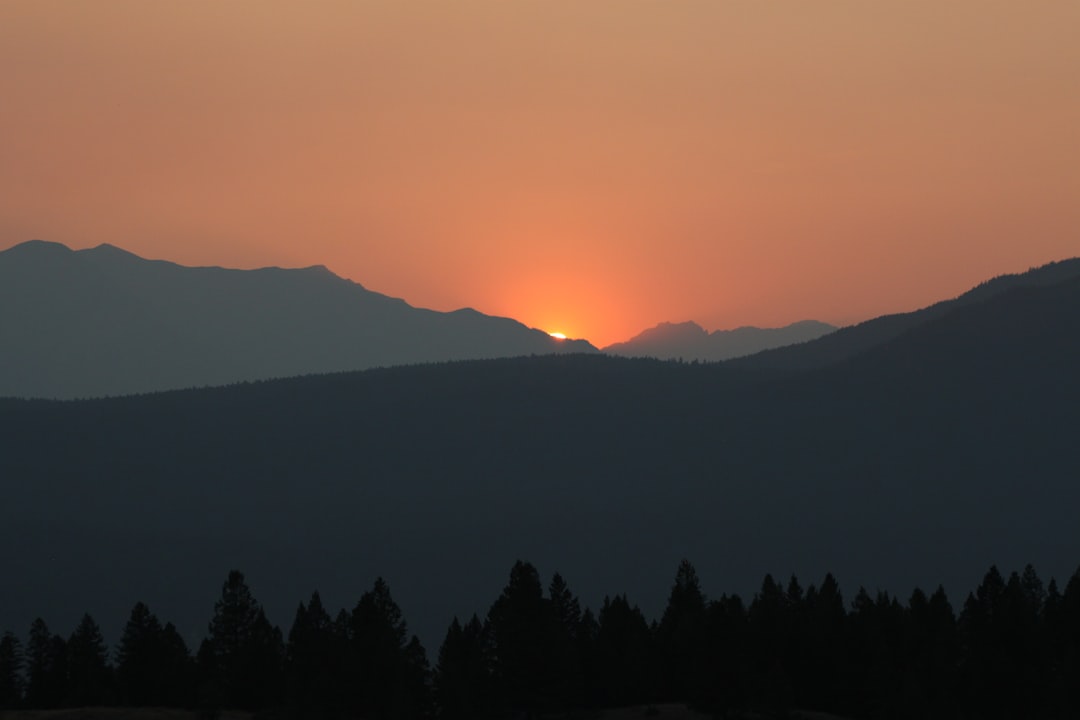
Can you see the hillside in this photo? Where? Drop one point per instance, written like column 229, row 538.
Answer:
column 99, row 322
column 850, row 341
column 880, row 469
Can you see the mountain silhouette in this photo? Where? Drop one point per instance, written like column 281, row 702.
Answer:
column 689, row 341
column 103, row 321
column 922, row 459
column 850, row 341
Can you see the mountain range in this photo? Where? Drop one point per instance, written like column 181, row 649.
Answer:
column 919, row 451
column 98, row 322
column 689, row 341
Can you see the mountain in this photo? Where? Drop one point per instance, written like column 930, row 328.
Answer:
column 100, row 322
column 689, row 341
column 848, row 342
column 921, row 460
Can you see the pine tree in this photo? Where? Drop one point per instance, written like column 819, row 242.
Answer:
column 566, row 680
column 10, row 672
column 822, row 668
column 624, row 654
column 46, row 672
column 137, row 663
column 681, row 637
column 463, row 682
column 178, row 668
column 520, row 621
column 769, row 625
column 315, row 658
column 389, row 671
column 585, row 639
column 242, row 653
column 89, row 678
column 152, row 662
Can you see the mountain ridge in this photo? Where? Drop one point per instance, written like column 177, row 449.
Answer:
column 690, row 341
column 104, row 321
column 848, row 341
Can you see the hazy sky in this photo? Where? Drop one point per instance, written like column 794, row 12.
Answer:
column 586, row 166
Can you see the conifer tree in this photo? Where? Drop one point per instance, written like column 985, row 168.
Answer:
column 624, row 654
column 315, row 659
column 153, row 664
column 138, row 670
column 681, row 637
column 242, row 653
column 770, row 624
column 46, row 672
column 10, row 671
column 520, row 621
column 89, row 678
column 389, row 670
column 585, row 640
column 567, row 683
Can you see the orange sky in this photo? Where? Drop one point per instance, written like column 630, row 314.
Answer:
column 586, row 166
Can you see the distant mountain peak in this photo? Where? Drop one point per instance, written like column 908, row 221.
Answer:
column 37, row 247
column 689, row 341
column 139, row 325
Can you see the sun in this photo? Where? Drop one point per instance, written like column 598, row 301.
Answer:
column 557, row 335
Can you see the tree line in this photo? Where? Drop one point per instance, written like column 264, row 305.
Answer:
column 1012, row 650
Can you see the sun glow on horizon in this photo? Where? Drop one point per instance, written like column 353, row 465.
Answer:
column 558, row 335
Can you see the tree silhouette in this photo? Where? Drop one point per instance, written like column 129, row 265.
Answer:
column 389, row 672
column 729, row 649
column 463, row 672
column 681, row 636
column 770, row 624
column 89, row 677
column 566, row 679
column 588, row 630
column 624, row 654
column 315, row 659
column 46, row 674
column 153, row 664
column 521, row 621
column 1014, row 651
column 10, row 671
column 242, row 654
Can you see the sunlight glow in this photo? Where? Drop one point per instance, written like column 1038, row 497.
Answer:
column 557, row 335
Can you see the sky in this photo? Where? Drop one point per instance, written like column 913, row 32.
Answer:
column 591, row 167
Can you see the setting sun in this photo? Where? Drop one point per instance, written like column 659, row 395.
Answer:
column 557, row 335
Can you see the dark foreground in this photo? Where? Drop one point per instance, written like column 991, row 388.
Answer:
column 637, row 712
column 1012, row 650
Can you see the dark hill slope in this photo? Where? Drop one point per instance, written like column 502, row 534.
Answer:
column 105, row 322
column 849, row 341
column 922, row 461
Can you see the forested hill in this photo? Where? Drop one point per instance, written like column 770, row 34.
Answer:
column 850, row 341
column 102, row 321
column 945, row 451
